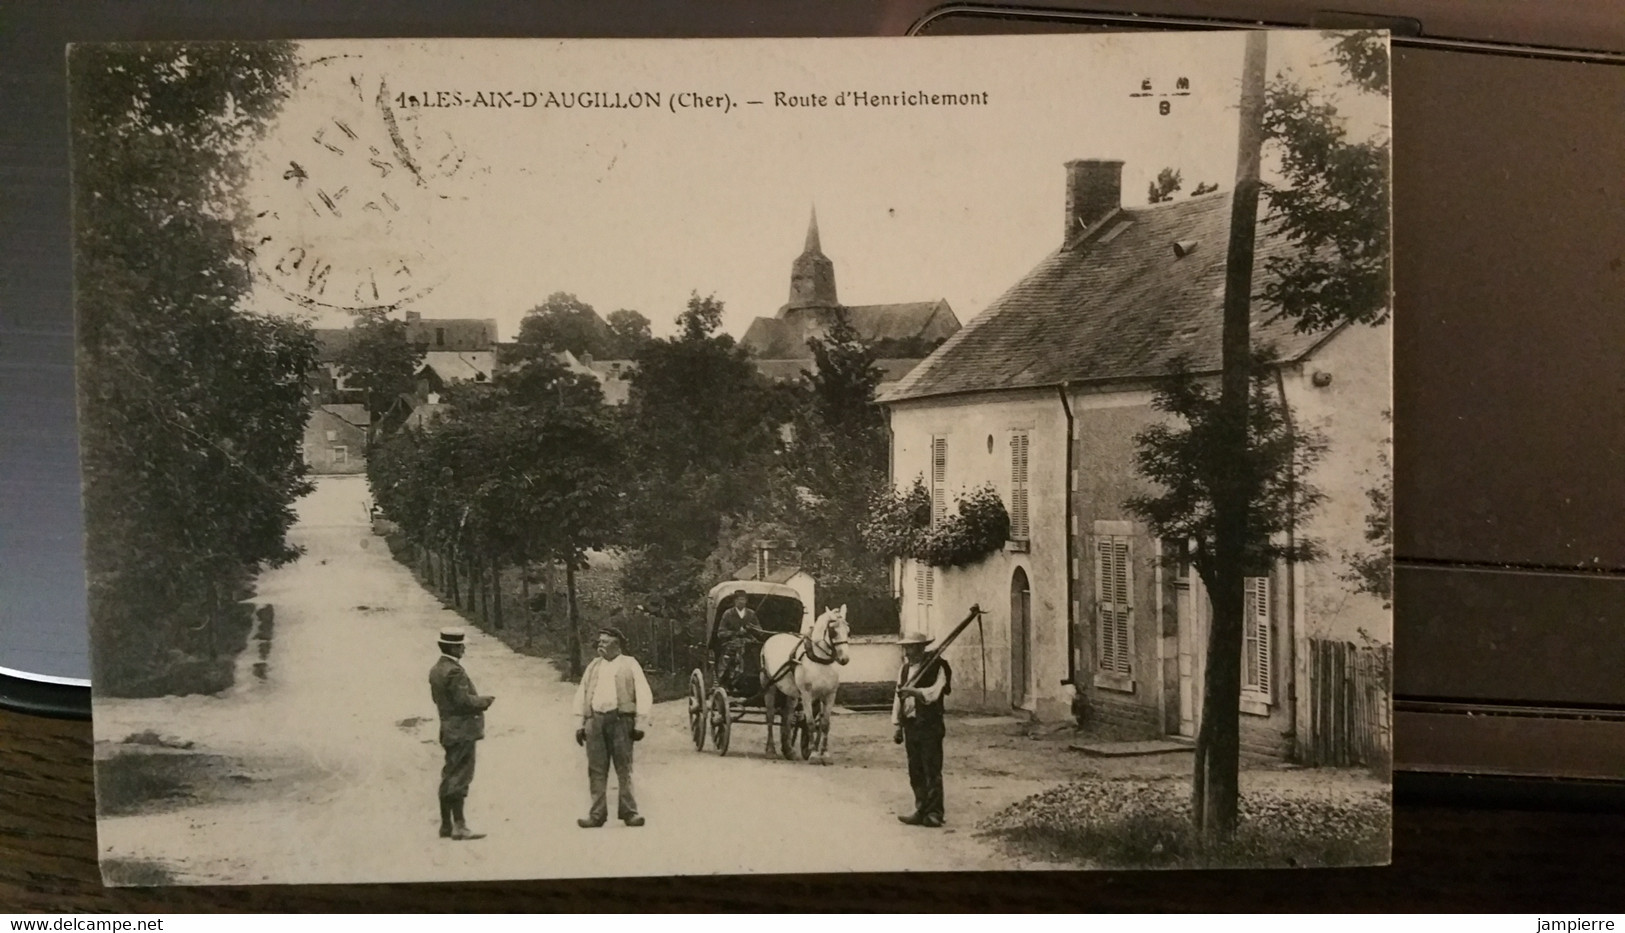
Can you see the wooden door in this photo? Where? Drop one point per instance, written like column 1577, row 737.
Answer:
column 1021, row 674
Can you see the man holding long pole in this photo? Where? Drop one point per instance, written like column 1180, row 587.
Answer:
column 917, row 714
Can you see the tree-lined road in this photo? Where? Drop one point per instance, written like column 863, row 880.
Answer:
column 336, row 764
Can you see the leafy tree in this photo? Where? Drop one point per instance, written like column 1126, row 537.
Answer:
column 628, row 332
column 703, row 434
column 508, row 478
column 1372, row 571
column 837, row 460
column 1202, row 188
column 380, row 360
column 192, row 410
column 1162, row 189
column 1181, row 457
column 544, row 381
column 562, row 322
column 1333, row 207
column 701, row 318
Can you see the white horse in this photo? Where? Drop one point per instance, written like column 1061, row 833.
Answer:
column 802, row 669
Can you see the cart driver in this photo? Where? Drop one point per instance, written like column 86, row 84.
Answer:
column 738, row 632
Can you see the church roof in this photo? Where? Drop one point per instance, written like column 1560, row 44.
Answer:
column 785, row 337
column 902, row 321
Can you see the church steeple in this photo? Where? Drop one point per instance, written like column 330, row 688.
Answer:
column 812, row 275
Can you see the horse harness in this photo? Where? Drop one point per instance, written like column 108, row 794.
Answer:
column 808, row 649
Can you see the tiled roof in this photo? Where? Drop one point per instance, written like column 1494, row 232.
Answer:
column 355, row 414
column 1121, row 306
column 460, row 367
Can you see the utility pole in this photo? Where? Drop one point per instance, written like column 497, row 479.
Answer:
column 1218, row 746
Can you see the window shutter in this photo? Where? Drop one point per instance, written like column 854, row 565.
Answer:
column 1019, row 522
column 1103, row 609
column 1122, row 575
column 1114, row 585
column 939, row 479
column 924, row 582
column 1257, row 636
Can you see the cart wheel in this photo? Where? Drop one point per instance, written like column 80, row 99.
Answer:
column 697, row 710
column 721, row 720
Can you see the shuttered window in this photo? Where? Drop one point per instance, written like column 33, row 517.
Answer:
column 939, row 479
column 1256, row 640
column 1020, row 527
column 1114, row 604
column 925, row 579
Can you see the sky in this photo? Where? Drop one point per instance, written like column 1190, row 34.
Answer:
column 639, row 208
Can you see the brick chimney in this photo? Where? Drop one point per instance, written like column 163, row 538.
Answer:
column 1094, row 188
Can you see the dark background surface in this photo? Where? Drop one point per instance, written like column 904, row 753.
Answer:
column 1510, row 439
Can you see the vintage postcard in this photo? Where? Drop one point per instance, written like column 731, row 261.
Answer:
column 538, row 459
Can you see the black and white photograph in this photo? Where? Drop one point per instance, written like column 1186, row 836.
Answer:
column 511, row 459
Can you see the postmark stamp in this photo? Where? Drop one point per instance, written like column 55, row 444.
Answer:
column 344, row 212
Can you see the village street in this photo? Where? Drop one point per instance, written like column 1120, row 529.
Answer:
column 324, row 769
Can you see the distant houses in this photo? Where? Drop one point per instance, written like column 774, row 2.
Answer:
column 454, row 350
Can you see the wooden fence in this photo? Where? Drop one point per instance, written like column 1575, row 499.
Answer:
column 663, row 645
column 1350, row 716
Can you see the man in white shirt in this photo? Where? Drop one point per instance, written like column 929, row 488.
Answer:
column 612, row 696
column 916, row 713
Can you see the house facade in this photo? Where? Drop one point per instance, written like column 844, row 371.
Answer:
column 335, row 439
column 1087, row 613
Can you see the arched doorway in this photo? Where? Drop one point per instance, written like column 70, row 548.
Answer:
column 1021, row 618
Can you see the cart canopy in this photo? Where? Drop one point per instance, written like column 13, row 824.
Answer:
column 778, row 607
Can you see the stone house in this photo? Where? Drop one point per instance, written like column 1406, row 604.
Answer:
column 335, row 439
column 1041, row 395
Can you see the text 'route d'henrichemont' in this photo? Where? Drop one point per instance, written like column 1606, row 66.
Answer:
column 681, row 100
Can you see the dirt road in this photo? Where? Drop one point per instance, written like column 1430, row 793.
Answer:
column 324, row 769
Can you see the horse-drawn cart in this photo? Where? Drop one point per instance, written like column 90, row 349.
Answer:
column 715, row 707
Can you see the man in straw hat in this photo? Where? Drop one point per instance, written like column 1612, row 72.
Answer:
column 917, row 715
column 612, row 697
column 462, row 723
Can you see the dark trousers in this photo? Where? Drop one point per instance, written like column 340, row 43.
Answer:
column 458, row 771
column 924, row 746
column 609, row 739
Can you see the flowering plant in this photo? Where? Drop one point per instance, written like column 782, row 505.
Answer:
column 900, row 526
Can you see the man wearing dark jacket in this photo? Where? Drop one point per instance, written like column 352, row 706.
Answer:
column 462, row 723
column 917, row 714
column 738, row 632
